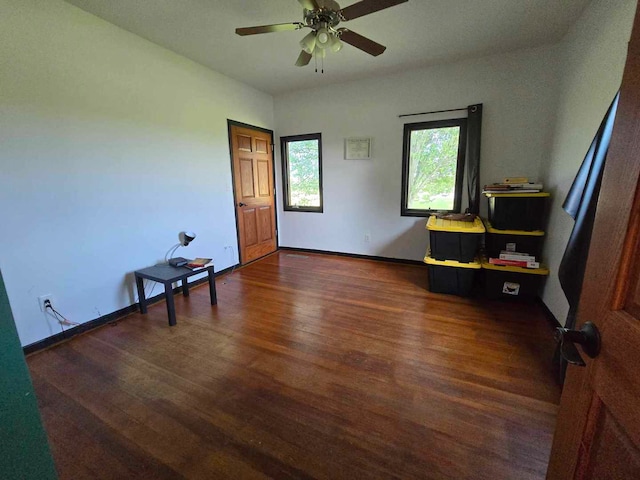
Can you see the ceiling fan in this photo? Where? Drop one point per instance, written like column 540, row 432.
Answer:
column 322, row 17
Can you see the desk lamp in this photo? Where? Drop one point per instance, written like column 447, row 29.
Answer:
column 185, row 239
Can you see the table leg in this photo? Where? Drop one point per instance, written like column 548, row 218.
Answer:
column 171, row 306
column 141, row 298
column 185, row 287
column 212, row 286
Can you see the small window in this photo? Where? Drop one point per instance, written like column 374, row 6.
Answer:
column 302, row 172
column 433, row 166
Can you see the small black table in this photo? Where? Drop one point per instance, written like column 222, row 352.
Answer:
column 166, row 274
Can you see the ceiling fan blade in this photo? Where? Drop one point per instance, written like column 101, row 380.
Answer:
column 365, row 7
column 363, row 43
column 309, row 4
column 279, row 27
column 303, row 59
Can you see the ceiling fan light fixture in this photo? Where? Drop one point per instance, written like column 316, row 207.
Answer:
column 336, row 44
column 308, row 43
column 323, row 38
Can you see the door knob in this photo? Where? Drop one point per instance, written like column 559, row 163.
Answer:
column 588, row 337
column 242, row 204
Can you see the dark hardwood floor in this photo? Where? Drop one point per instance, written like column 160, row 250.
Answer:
column 310, row 366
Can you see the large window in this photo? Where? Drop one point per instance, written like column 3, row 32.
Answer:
column 433, row 166
column 302, row 172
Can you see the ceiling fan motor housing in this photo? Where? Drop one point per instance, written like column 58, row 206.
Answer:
column 324, row 17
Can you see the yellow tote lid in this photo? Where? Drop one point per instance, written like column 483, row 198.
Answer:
column 476, row 265
column 508, row 268
column 513, row 194
column 490, row 229
column 442, row 225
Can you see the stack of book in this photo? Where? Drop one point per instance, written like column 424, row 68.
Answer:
column 515, row 259
column 199, row 263
column 514, row 185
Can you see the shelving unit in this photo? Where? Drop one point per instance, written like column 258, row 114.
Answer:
column 515, row 225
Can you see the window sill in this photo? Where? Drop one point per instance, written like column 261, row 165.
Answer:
column 304, row 209
column 425, row 213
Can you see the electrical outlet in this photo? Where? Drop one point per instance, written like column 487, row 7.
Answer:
column 43, row 299
column 367, row 237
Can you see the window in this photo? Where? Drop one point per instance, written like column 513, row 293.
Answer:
column 433, row 166
column 302, row 172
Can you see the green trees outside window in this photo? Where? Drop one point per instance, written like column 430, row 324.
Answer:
column 433, row 166
column 302, row 172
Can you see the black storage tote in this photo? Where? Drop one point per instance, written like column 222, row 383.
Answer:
column 512, row 283
column 449, row 276
column 517, row 211
column 454, row 239
column 523, row 241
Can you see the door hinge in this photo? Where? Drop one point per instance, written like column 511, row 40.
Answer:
column 272, row 147
column 274, row 191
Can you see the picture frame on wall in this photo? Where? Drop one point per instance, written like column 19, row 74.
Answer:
column 357, row 148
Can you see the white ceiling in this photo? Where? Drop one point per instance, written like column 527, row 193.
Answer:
column 417, row 33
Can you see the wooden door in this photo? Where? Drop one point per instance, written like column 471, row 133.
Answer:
column 598, row 429
column 253, row 192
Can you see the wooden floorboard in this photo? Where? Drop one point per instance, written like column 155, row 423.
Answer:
column 310, row 366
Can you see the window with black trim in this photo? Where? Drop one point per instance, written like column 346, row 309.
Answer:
column 302, row 172
column 433, row 166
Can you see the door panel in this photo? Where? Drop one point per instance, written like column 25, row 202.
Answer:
column 264, row 185
column 598, row 428
column 250, row 226
column 254, row 192
column 244, row 143
column 262, row 146
column 613, row 381
column 246, row 179
column 264, row 223
column 612, row 455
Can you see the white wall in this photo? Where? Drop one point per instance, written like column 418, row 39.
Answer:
column 110, row 145
column 518, row 91
column 592, row 58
